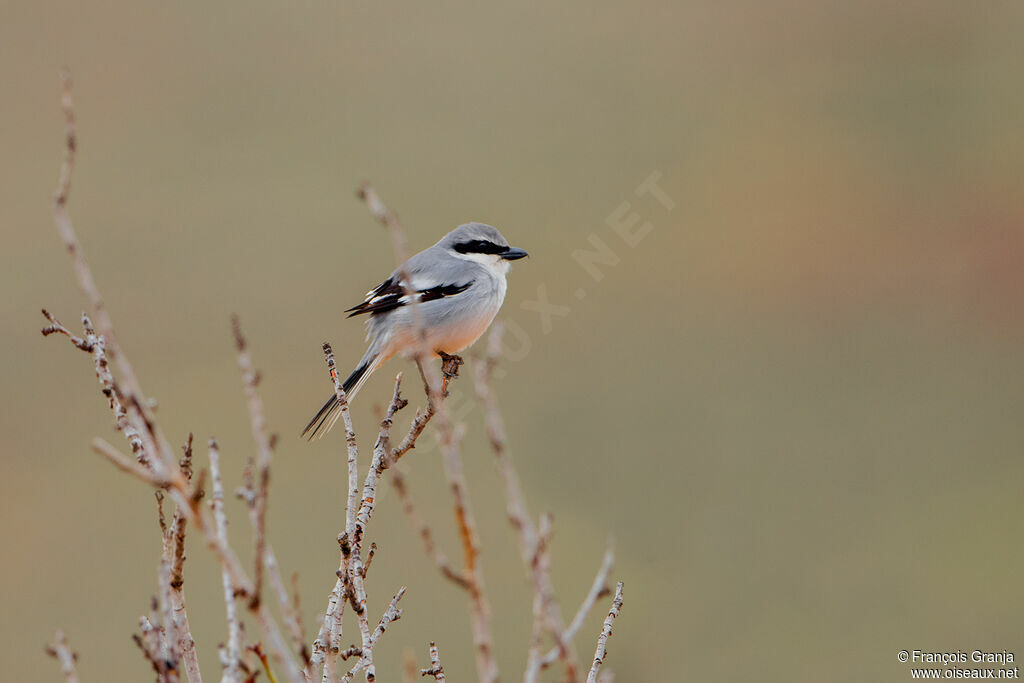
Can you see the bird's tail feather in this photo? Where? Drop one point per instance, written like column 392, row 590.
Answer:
column 325, row 418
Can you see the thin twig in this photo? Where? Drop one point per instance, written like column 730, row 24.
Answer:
column 262, row 656
column 380, row 462
column 290, row 611
column 391, row 614
column 256, row 497
column 435, row 670
column 86, row 282
column 598, row 589
column 279, row 648
column 63, row 654
column 126, row 464
column 350, row 442
column 168, row 627
column 176, row 532
column 150, row 644
column 606, row 632
column 258, row 422
column 174, row 552
column 233, row 655
column 95, row 345
column 541, row 566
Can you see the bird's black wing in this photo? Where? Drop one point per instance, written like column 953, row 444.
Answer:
column 390, row 295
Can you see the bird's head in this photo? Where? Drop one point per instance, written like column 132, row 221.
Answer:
column 481, row 243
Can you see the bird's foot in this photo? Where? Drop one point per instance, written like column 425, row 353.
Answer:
column 450, row 364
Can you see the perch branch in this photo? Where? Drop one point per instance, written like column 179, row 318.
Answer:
column 486, row 664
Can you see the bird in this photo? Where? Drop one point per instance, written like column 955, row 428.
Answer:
column 458, row 285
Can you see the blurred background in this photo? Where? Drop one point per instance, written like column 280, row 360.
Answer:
column 793, row 399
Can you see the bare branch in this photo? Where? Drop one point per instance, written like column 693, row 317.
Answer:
column 178, row 526
column 435, row 670
column 329, row 637
column 350, row 441
column 381, row 461
column 358, row 600
column 126, row 464
column 419, row 423
column 598, row 589
column 351, row 571
column 65, row 656
column 56, row 327
column 140, row 641
column 168, row 626
column 66, row 230
column 264, row 662
column 290, row 609
column 166, row 639
column 282, row 655
column 173, row 558
column 369, row 559
column 391, row 614
column 233, row 654
column 123, row 419
column 606, row 632
column 258, row 422
column 541, row 565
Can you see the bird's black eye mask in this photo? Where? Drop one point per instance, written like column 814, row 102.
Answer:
column 479, row 247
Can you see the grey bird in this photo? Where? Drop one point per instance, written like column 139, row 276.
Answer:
column 458, row 284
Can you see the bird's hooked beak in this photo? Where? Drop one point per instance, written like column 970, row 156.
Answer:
column 513, row 253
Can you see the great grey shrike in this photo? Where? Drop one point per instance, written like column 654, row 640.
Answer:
column 459, row 285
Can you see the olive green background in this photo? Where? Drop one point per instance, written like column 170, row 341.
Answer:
column 795, row 403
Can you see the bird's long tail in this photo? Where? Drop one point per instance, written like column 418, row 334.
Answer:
column 325, row 418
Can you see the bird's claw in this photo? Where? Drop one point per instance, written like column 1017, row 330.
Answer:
column 449, row 369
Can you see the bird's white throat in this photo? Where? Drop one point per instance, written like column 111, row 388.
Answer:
column 492, row 262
